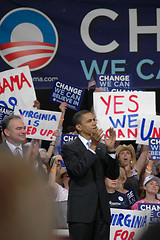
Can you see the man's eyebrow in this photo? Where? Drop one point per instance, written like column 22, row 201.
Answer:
column 19, row 127
column 90, row 119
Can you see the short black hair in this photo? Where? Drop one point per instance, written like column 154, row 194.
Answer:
column 77, row 118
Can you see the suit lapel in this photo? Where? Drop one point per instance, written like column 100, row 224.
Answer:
column 6, row 148
column 80, row 145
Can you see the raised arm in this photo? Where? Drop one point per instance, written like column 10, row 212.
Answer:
column 140, row 163
column 52, row 144
column 52, row 179
column 62, row 108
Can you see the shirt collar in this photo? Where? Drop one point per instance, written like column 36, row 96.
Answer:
column 84, row 140
column 13, row 147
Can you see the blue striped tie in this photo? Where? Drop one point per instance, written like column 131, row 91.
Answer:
column 88, row 144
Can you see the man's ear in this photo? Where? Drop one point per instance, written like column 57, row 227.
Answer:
column 78, row 127
column 6, row 132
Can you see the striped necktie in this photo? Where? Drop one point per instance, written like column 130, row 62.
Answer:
column 17, row 152
column 88, row 144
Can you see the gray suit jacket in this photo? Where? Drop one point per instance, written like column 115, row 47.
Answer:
column 87, row 187
column 4, row 148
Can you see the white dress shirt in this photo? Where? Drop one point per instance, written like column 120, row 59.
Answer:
column 12, row 148
column 85, row 142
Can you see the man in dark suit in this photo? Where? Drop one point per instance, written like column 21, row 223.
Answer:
column 88, row 208
column 14, row 132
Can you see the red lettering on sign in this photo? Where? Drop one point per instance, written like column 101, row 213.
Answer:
column 49, row 132
column 14, row 80
column 42, row 132
column 130, row 132
column 28, row 130
column 117, row 234
column 120, row 133
column 31, row 130
column 107, row 104
column 117, row 103
column 131, row 100
column 155, row 133
column 124, row 235
column 24, row 79
column 131, row 236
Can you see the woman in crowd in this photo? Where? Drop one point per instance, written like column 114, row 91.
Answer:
column 127, row 157
column 151, row 187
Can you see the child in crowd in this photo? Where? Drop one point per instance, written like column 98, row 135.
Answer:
column 116, row 199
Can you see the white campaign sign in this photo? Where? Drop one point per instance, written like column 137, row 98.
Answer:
column 148, row 127
column 16, row 88
column 128, row 224
column 40, row 124
column 120, row 110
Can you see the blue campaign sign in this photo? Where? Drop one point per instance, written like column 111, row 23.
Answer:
column 131, row 197
column 112, row 82
column 67, row 137
column 155, row 211
column 63, row 92
column 4, row 111
column 154, row 147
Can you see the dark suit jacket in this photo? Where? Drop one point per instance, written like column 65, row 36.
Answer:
column 87, row 171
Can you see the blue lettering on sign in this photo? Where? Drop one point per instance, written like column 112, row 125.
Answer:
column 128, row 220
column 95, row 68
column 149, row 131
column 63, row 92
column 12, row 101
column 4, row 104
column 115, row 124
column 37, row 115
column 154, row 147
column 67, row 137
column 131, row 119
column 155, row 210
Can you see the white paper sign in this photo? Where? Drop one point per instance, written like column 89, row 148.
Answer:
column 16, row 88
column 128, row 224
column 40, row 124
column 120, row 110
column 148, row 127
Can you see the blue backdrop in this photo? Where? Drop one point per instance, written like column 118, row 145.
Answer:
column 72, row 41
